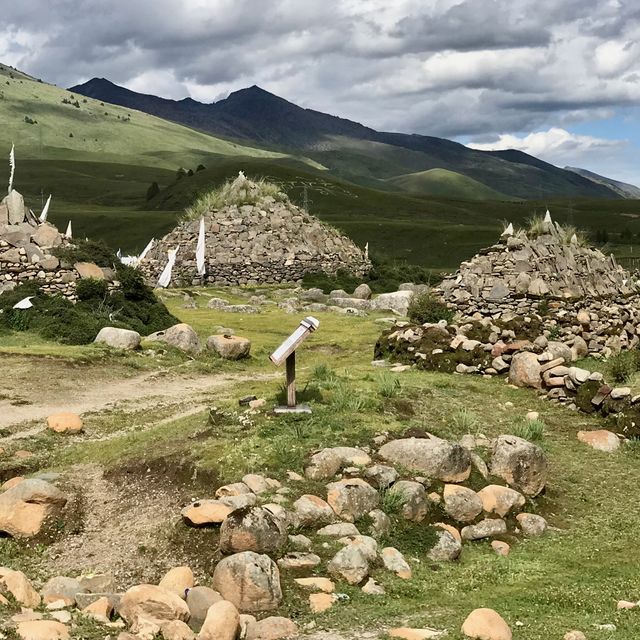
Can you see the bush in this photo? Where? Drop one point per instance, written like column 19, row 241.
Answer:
column 425, row 307
column 623, row 365
column 91, row 289
column 87, row 251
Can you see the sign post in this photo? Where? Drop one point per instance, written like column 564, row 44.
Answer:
column 286, row 353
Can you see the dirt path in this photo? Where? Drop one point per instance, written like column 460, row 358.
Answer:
column 147, row 390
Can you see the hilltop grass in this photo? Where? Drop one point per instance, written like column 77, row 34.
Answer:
column 591, row 558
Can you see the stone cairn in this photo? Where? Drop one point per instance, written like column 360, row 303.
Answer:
column 26, row 252
column 269, row 242
column 531, row 307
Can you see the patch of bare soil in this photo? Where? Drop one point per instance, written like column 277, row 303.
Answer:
column 125, row 522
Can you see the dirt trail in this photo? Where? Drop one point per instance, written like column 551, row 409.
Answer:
column 146, row 390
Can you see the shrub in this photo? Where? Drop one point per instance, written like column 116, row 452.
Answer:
column 87, row 251
column 152, row 191
column 623, row 365
column 425, row 307
column 91, row 289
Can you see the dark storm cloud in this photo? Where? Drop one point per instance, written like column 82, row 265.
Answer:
column 442, row 67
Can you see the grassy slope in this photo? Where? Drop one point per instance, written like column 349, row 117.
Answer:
column 591, row 560
column 445, row 184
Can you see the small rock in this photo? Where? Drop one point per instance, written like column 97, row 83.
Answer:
column 229, row 347
column 461, row 503
column 252, row 529
column 274, row 628
column 372, row 588
column 176, row 630
column 119, row 338
column 42, row 630
column 18, row 585
column 326, row 463
column 352, row 498
column 415, row 504
column 350, row 563
column 300, row 542
column 206, row 512
column 447, row 549
column 601, row 439
column 520, row 463
column 394, row 561
column 485, row 529
column 320, row 602
column 312, row 510
column 298, row 560
column 531, row 524
column 407, row 633
column 321, row 584
column 339, row 529
column 574, row 635
column 486, row 624
column 222, row 622
column 500, row 500
column 65, row 422
column 501, row 548
column 199, row 599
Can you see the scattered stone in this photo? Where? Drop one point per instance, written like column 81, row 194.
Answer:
column 61, row 588
column 501, row 548
column 229, row 347
column 625, row 605
column 532, row 525
column 500, row 500
column 300, row 542
column 180, row 336
column 222, row 622
column 65, row 422
column 25, row 507
column 89, row 270
column 351, row 499
column 602, row 440
column 321, row 602
column 97, row 583
column 326, row 463
column 18, row 585
column 372, row 588
column 42, row 630
column 350, row 563
column 525, row 370
column 447, row 549
column 486, row 624
column 199, row 600
column 119, row 338
column 415, row 504
column 313, row 511
column 297, row 561
column 274, row 628
column 394, row 561
column 487, row 528
column 574, row 635
column 321, row 584
column 249, row 580
column 176, row 630
column 148, row 605
column 381, row 476
column 206, row 512
column 231, row 490
column 178, row 580
column 101, row 610
column 339, row 529
column 252, row 529
column 380, row 523
column 437, row 458
column 407, row 633
column 461, row 503
column 520, row 463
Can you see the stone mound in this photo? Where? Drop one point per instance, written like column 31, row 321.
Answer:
column 269, row 242
column 26, row 255
column 550, row 265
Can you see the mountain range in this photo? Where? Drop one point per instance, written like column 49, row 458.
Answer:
column 352, row 151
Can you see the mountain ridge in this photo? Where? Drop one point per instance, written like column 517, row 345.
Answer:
column 349, row 149
column 625, row 189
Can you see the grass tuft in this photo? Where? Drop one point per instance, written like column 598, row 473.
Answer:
column 389, row 385
column 532, row 430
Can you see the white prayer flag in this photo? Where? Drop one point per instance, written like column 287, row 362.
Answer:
column 45, row 211
column 12, row 167
column 25, row 303
column 509, row 230
column 547, row 217
column 146, row 250
column 200, row 263
column 165, row 276
column 68, row 234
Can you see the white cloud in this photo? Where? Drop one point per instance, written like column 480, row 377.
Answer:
column 557, row 146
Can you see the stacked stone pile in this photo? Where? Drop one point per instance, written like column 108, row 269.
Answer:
column 548, row 280
column 270, row 242
column 26, row 252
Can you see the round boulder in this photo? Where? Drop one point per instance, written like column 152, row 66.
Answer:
column 252, row 529
column 501, row 500
column 274, row 628
column 486, row 624
column 520, row 463
column 119, row 338
column 525, row 370
column 180, row 336
column 352, row 498
column 436, row 458
column 65, row 422
column 222, row 622
column 461, row 503
column 249, row 580
column 147, row 604
column 229, row 347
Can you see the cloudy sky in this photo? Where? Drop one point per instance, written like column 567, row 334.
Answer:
column 556, row 78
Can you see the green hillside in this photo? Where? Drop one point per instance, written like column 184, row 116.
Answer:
column 46, row 122
column 446, row 184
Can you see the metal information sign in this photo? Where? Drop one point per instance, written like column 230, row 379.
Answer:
column 286, row 352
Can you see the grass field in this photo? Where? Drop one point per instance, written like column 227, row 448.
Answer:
column 591, row 559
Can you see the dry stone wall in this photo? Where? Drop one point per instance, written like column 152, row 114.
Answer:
column 26, row 247
column 267, row 243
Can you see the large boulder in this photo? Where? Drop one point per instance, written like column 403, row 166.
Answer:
column 520, row 463
column 525, row 370
column 249, row 580
column 119, row 338
column 229, row 347
column 61, row 588
column 500, row 500
column 180, row 336
column 413, row 498
column 436, row 458
column 65, row 422
column 15, row 207
column 487, row 528
column 47, row 236
column 351, row 563
column 273, row 628
column 178, row 580
column 25, row 507
column 89, row 270
column 447, row 547
column 352, row 498
column 252, row 529
column 199, row 599
column 18, row 585
column 206, row 512
column 397, row 301
column 146, row 607
column 311, row 510
column 560, row 350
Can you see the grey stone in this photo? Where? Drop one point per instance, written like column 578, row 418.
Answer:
column 119, row 338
